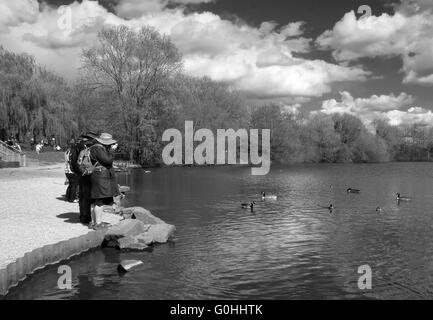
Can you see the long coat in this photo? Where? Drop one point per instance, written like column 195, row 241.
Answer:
column 104, row 184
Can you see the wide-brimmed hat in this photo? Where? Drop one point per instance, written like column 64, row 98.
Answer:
column 106, row 139
column 89, row 135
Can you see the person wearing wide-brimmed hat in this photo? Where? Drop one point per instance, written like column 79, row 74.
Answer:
column 86, row 140
column 104, row 186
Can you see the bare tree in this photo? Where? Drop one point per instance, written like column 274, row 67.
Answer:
column 135, row 65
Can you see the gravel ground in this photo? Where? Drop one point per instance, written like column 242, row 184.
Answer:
column 32, row 213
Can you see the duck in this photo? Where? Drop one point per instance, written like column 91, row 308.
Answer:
column 268, row 197
column 401, row 198
column 351, row 190
column 379, row 210
column 246, row 205
column 331, row 207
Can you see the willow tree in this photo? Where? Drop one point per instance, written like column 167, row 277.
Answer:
column 135, row 65
column 34, row 102
column 16, row 72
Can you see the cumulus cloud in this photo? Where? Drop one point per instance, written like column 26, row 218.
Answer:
column 291, row 109
column 306, row 78
column 56, row 36
column 13, row 13
column 393, row 109
column 260, row 61
column 408, row 34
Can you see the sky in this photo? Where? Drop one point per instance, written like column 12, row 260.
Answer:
column 309, row 56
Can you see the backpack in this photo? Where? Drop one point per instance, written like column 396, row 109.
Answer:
column 84, row 162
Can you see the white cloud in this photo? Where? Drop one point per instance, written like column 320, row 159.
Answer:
column 385, row 107
column 408, row 34
column 291, row 109
column 13, row 13
column 43, row 37
column 259, row 61
column 305, row 78
column 412, row 115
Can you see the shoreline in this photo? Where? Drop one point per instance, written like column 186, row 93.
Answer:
column 37, row 227
column 48, row 232
column 33, row 216
column 33, row 212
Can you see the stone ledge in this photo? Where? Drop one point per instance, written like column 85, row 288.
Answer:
column 156, row 232
column 17, row 271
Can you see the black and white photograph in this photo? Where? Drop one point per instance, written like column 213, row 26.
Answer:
column 216, row 150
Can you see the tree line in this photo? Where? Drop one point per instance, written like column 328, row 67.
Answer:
column 132, row 84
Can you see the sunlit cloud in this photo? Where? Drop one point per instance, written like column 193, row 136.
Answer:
column 261, row 61
column 396, row 110
column 407, row 34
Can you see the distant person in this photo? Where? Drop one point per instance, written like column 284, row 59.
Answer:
column 84, row 184
column 10, row 142
column 104, row 185
column 17, row 146
column 38, row 148
column 53, row 143
column 73, row 178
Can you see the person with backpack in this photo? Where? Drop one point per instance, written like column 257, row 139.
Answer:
column 72, row 177
column 103, row 176
column 86, row 141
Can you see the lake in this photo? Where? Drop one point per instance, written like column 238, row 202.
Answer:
column 292, row 248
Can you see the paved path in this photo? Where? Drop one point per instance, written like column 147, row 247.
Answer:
column 31, row 215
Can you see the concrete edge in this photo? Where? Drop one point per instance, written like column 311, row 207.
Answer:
column 16, row 272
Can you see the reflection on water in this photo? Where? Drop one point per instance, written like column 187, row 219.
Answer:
column 287, row 249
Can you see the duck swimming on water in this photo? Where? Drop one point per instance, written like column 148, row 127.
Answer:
column 402, row 198
column 246, row 205
column 268, row 197
column 350, row 190
column 379, row 210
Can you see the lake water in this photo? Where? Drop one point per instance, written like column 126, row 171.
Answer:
column 291, row 248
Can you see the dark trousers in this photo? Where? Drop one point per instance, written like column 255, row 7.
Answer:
column 72, row 190
column 85, row 187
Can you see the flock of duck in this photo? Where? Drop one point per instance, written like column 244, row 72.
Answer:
column 330, row 207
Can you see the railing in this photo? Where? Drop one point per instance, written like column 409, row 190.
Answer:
column 11, row 154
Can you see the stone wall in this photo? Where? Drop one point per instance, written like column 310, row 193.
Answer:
column 137, row 231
